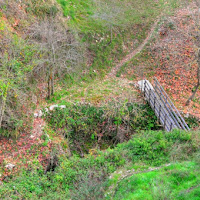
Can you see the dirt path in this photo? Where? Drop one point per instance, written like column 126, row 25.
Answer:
column 135, row 52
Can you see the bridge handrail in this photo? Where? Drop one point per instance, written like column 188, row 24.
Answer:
column 173, row 108
column 166, row 119
column 167, row 122
column 169, row 109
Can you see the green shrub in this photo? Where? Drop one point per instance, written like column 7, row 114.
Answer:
column 90, row 126
column 41, row 8
column 18, row 59
column 192, row 122
column 90, row 174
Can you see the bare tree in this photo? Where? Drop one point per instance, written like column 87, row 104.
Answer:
column 57, row 53
column 59, row 49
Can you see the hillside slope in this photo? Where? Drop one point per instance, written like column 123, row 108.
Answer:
column 105, row 142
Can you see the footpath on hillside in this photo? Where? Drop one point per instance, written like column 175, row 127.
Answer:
column 135, row 52
column 30, row 145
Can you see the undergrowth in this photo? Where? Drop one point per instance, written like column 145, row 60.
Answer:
column 88, row 178
column 88, row 126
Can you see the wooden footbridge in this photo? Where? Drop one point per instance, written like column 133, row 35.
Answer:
column 166, row 112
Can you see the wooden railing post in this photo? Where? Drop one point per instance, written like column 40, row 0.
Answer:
column 165, row 120
column 144, row 87
column 159, row 111
column 171, row 126
column 149, row 95
column 154, row 102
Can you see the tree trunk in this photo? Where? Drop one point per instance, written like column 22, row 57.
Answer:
column 2, row 110
column 49, row 88
column 53, row 69
column 193, row 95
column 111, row 34
column 198, row 80
column 52, row 84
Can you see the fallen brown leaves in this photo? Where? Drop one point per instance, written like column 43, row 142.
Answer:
column 171, row 59
column 178, row 70
column 24, row 150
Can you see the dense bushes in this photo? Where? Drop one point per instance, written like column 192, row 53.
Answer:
column 83, row 178
column 18, row 58
column 30, row 31
column 88, row 126
column 41, row 8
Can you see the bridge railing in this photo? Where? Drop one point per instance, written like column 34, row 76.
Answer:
column 168, row 103
column 163, row 107
column 158, row 107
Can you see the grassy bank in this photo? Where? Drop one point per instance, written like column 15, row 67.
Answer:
column 109, row 30
column 88, row 178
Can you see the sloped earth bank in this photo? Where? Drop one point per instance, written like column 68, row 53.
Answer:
column 30, row 148
column 24, row 150
column 170, row 57
column 136, row 51
column 33, row 147
column 179, row 75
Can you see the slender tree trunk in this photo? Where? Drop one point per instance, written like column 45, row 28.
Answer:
column 53, row 69
column 193, row 95
column 52, row 84
column 111, row 34
column 2, row 110
column 49, row 87
column 198, row 81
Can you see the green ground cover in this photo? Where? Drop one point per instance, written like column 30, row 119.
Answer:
column 109, row 30
column 88, row 178
column 177, row 181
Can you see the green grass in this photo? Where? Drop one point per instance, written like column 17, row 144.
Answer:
column 95, row 92
column 92, row 20
column 88, row 177
column 177, row 181
column 94, row 15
